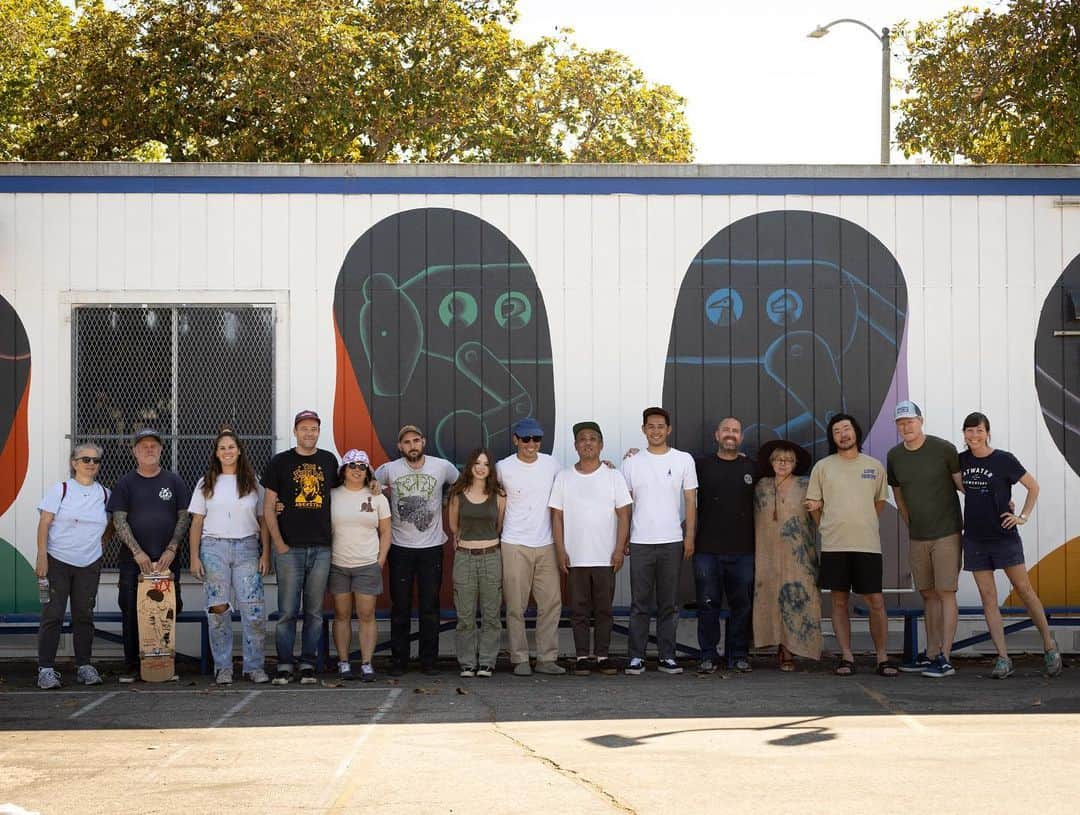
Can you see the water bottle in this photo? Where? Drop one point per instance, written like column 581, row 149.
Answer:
column 43, row 590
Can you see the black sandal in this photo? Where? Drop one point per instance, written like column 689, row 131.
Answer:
column 887, row 668
column 845, row 667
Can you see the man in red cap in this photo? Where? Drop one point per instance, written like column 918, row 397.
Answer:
column 301, row 479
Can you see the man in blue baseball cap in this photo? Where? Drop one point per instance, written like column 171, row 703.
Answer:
column 528, row 550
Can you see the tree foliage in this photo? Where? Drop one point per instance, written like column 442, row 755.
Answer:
column 323, row 80
column 995, row 86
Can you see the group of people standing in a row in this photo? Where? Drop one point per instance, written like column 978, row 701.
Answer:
column 519, row 524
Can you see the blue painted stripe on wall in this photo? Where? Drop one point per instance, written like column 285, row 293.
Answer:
column 539, row 186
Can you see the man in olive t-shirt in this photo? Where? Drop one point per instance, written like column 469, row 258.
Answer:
column 924, row 472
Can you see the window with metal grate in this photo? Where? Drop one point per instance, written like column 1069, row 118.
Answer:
column 182, row 370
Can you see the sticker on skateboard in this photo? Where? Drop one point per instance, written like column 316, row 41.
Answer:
column 157, row 627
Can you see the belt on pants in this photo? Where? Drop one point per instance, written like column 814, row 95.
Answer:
column 483, row 551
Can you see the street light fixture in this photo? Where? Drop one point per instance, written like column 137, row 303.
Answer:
column 885, row 39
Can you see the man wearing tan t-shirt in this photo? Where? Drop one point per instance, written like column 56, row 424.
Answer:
column 846, row 493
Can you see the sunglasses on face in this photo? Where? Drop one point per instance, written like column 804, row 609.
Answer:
column 89, row 459
column 527, row 439
column 356, row 465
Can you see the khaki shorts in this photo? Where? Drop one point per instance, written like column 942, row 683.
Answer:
column 935, row 564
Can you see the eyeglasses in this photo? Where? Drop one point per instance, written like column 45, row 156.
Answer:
column 356, row 465
column 527, row 439
column 783, row 461
column 89, row 459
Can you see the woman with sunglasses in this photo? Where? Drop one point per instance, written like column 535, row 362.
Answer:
column 787, row 603
column 477, row 507
column 360, row 515
column 71, row 529
column 230, row 553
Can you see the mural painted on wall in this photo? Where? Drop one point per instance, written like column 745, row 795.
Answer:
column 1057, row 381
column 17, row 586
column 783, row 319
column 440, row 323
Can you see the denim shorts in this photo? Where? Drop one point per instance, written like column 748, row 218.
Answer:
column 356, row 580
column 983, row 556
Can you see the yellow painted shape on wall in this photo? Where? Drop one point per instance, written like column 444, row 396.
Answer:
column 1056, row 577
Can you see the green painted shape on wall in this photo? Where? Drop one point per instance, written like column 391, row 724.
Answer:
column 18, row 585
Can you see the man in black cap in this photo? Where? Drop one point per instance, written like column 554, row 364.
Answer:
column 301, row 479
column 590, row 518
column 149, row 510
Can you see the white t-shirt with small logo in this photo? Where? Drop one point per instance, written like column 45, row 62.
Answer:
column 227, row 514
column 657, row 483
column 588, row 503
column 528, row 487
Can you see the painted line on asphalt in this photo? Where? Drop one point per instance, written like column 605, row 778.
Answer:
column 228, row 714
column 91, row 705
column 906, row 718
column 342, row 798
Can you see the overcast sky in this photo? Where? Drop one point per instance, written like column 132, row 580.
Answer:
column 757, row 89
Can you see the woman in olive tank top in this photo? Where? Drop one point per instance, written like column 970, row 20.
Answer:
column 477, row 504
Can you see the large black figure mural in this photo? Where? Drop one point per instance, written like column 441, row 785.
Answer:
column 1057, row 363
column 17, row 581
column 783, row 319
column 440, row 323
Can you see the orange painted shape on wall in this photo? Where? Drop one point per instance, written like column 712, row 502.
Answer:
column 352, row 420
column 15, row 456
column 1056, row 577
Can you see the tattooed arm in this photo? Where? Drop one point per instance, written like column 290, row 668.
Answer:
column 183, row 518
column 127, row 537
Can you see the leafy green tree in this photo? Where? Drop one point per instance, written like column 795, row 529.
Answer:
column 995, row 86
column 339, row 80
column 31, row 31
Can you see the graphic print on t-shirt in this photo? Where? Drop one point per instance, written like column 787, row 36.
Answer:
column 413, row 492
column 310, row 484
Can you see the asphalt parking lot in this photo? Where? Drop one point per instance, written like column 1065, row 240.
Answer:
column 757, row 742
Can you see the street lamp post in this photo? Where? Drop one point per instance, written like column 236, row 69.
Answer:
column 885, row 40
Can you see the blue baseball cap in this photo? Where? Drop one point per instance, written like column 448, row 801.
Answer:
column 527, row 427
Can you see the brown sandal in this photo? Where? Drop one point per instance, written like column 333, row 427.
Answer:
column 787, row 663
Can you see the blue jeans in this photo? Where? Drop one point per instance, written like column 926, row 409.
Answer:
column 714, row 577
column 232, row 571
column 302, row 573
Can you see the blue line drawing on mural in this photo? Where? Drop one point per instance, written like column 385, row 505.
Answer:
column 822, row 305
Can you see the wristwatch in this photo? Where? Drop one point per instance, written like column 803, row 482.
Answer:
column 1022, row 517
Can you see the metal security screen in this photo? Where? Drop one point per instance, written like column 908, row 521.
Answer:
column 182, row 370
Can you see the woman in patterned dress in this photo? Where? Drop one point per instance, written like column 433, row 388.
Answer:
column 787, row 604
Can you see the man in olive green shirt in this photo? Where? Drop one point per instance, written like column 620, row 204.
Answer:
column 924, row 472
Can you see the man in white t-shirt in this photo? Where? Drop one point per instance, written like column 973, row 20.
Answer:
column 590, row 518
column 415, row 484
column 528, row 550
column 662, row 482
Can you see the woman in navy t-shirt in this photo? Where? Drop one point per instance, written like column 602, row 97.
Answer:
column 992, row 538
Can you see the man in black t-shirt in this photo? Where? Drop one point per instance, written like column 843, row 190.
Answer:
column 149, row 511
column 301, row 480
column 724, row 556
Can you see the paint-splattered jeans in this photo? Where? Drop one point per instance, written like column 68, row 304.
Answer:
column 232, row 569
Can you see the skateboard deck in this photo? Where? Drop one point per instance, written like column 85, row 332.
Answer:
column 157, row 627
